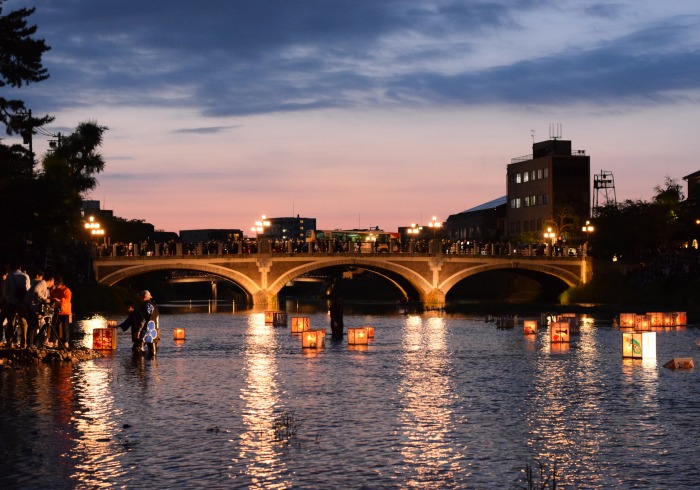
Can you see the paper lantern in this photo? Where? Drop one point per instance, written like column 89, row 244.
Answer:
column 530, row 327
column 179, row 334
column 104, row 339
column 370, row 332
column 313, row 339
column 680, row 363
column 300, row 324
column 627, row 320
column 276, row 318
column 112, row 323
column 559, row 332
column 656, row 319
column 639, row 345
column 641, row 323
column 681, row 318
column 357, row 336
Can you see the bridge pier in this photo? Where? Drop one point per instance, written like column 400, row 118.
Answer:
column 434, row 299
column 264, row 298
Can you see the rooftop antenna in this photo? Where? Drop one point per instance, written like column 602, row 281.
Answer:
column 532, row 133
column 555, row 131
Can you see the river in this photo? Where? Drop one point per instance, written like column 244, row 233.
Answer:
column 434, row 401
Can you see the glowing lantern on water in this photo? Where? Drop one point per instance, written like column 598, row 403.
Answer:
column 104, row 339
column 559, row 332
column 680, row 363
column 641, row 323
column 669, row 319
column 357, row 336
column 639, row 345
column 370, row 332
column 313, row 339
column 656, row 319
column 681, row 318
column 627, row 320
column 179, row 334
column 530, row 327
column 276, row 318
column 300, row 324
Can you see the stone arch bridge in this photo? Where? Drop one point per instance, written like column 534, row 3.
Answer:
column 262, row 276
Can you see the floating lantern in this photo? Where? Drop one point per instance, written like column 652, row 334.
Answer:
column 313, row 339
column 357, row 336
column 104, row 339
column 681, row 318
column 179, row 334
column 680, row 363
column 276, row 318
column 300, row 324
column 112, row 323
column 641, row 323
column 639, row 345
column 656, row 319
column 669, row 319
column 530, row 327
column 559, row 332
column 370, row 332
column 627, row 320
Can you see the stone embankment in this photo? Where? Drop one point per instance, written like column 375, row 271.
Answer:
column 21, row 358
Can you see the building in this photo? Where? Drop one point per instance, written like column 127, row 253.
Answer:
column 485, row 222
column 211, row 234
column 289, row 228
column 550, row 188
column 693, row 186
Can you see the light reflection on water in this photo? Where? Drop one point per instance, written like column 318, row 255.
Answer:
column 433, row 401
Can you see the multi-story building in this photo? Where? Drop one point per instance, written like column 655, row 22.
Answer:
column 550, row 188
column 289, row 228
column 485, row 222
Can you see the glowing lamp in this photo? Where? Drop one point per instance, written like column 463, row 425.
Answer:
column 370, row 332
column 179, row 334
column 627, row 320
column 681, row 318
column 313, row 339
column 656, row 319
column 559, row 332
column 641, row 323
column 104, row 339
column 357, row 336
column 301, row 324
column 530, row 327
column 639, row 345
column 680, row 363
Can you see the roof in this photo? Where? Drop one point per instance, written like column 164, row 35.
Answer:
column 488, row 205
column 692, row 176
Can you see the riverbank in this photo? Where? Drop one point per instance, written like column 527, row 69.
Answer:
column 22, row 358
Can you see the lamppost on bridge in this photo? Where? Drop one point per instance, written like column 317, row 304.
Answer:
column 550, row 235
column 95, row 230
column 412, row 232
column 587, row 229
column 435, row 224
column 259, row 229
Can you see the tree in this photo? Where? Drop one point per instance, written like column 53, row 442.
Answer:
column 20, row 64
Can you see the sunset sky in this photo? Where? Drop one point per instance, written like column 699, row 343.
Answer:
column 362, row 112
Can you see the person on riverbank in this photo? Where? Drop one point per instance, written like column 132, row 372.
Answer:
column 16, row 286
column 61, row 295
column 148, row 311
column 38, row 296
column 336, row 311
column 133, row 324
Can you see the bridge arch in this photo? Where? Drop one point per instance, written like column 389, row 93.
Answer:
column 568, row 277
column 249, row 287
column 419, row 283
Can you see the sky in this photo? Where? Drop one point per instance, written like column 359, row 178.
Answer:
column 362, row 113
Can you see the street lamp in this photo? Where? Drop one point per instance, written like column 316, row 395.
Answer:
column 435, row 224
column 94, row 228
column 587, row 229
column 411, row 232
column 550, row 235
column 259, row 229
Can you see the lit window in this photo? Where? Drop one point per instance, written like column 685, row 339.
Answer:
column 518, row 178
column 526, row 176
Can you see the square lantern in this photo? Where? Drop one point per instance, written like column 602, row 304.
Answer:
column 357, row 336
column 301, row 324
column 627, row 320
column 681, row 318
column 559, row 332
column 641, row 323
column 656, row 319
column 680, row 363
column 530, row 327
column 639, row 345
column 276, row 318
column 370, row 332
column 574, row 324
column 669, row 319
column 179, row 334
column 104, row 339
column 313, row 339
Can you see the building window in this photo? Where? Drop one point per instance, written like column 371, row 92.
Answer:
column 546, row 173
column 545, row 199
column 517, row 202
column 539, row 199
column 518, row 178
column 539, row 173
column 526, row 176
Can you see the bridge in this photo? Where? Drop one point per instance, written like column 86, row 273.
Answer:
column 262, row 275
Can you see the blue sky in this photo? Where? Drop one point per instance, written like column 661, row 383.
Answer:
column 363, row 113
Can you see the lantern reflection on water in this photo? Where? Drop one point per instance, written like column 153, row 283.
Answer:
column 530, row 327
column 639, row 345
column 357, row 336
column 313, row 339
column 301, row 324
column 559, row 332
